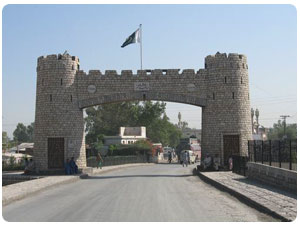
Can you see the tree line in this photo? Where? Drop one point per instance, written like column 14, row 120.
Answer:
column 106, row 120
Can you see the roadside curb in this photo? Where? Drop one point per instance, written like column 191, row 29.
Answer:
column 241, row 197
column 32, row 188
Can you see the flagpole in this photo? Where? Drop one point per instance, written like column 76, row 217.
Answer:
column 141, row 52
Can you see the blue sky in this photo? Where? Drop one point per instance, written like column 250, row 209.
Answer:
column 174, row 36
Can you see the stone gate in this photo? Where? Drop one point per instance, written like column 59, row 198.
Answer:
column 63, row 91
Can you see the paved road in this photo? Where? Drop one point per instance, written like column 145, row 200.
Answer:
column 150, row 193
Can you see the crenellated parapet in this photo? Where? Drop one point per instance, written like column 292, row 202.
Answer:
column 222, row 61
column 162, row 73
column 60, row 61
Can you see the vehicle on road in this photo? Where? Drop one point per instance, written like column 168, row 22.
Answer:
column 192, row 156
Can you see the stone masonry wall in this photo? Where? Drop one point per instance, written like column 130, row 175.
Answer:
column 279, row 177
column 72, row 90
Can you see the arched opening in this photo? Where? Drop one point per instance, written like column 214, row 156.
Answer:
column 161, row 128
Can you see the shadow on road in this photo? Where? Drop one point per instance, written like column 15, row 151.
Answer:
column 126, row 176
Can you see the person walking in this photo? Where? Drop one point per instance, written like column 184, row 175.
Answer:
column 170, row 157
column 186, row 157
column 99, row 161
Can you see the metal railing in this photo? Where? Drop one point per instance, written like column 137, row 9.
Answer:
column 116, row 160
column 239, row 164
column 278, row 153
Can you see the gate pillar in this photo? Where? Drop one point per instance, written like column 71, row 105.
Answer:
column 58, row 116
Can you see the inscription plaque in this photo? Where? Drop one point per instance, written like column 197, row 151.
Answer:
column 191, row 87
column 91, row 89
column 141, row 86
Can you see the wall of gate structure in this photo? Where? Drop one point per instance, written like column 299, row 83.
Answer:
column 63, row 91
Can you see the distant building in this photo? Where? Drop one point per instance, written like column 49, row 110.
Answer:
column 127, row 136
column 23, row 148
column 258, row 132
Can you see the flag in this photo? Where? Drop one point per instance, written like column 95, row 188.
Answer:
column 133, row 38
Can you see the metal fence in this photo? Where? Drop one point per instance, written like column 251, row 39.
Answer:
column 278, row 153
column 116, row 160
column 239, row 164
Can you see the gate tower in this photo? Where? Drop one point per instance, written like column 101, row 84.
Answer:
column 58, row 116
column 227, row 113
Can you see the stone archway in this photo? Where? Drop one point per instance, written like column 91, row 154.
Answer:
column 142, row 96
column 221, row 89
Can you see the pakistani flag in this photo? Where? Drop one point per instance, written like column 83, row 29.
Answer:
column 134, row 38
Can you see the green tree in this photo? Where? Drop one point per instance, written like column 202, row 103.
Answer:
column 5, row 140
column 20, row 133
column 30, row 132
column 277, row 132
column 23, row 133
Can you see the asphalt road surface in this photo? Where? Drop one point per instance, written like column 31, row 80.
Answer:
column 162, row 192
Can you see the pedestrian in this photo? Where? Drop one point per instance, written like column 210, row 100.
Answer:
column 99, row 161
column 26, row 162
column 185, row 159
column 67, row 167
column 74, row 167
column 170, row 157
column 216, row 162
column 30, row 167
column 230, row 162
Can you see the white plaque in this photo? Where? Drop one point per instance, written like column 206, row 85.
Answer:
column 91, row 89
column 191, row 87
column 141, row 86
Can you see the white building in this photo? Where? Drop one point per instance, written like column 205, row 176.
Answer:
column 128, row 135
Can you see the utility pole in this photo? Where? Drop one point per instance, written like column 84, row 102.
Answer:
column 284, row 124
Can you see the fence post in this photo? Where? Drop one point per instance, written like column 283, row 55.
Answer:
column 262, row 152
column 290, row 154
column 270, row 153
column 254, row 144
column 249, row 154
column 279, row 154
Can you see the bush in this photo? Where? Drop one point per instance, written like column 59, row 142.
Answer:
column 14, row 166
column 138, row 148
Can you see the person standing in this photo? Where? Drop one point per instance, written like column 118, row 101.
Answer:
column 67, row 167
column 74, row 167
column 170, row 157
column 185, row 159
column 25, row 162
